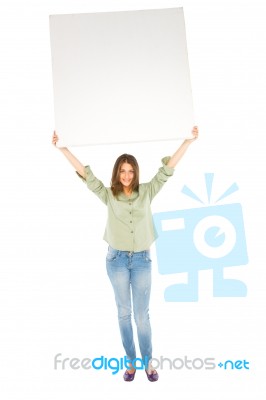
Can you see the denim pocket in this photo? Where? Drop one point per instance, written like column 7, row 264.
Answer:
column 147, row 256
column 112, row 254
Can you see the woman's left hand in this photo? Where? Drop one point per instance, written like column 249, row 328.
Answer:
column 195, row 133
column 176, row 157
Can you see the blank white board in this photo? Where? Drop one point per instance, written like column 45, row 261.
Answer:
column 120, row 77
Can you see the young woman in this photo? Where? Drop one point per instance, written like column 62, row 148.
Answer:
column 129, row 233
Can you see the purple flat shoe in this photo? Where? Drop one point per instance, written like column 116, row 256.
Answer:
column 153, row 377
column 128, row 377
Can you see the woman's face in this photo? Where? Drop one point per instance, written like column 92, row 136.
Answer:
column 126, row 174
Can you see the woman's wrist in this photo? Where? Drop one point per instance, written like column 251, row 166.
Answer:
column 187, row 142
column 63, row 149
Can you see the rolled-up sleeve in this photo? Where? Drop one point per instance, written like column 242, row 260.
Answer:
column 157, row 182
column 94, row 184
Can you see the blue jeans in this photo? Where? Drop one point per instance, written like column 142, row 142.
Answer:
column 130, row 272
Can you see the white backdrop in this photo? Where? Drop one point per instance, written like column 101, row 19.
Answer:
column 54, row 293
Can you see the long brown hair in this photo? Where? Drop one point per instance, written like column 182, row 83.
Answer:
column 116, row 185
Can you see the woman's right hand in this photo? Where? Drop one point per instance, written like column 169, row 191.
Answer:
column 71, row 158
column 55, row 138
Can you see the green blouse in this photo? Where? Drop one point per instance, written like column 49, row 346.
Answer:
column 129, row 224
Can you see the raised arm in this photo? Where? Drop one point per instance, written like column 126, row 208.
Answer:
column 176, row 157
column 71, row 158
